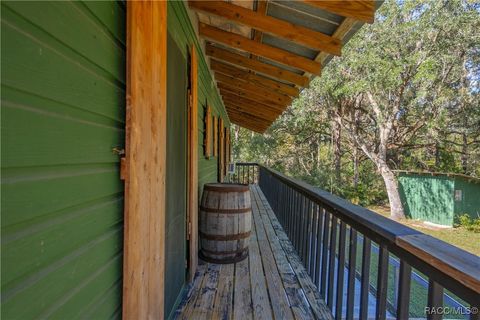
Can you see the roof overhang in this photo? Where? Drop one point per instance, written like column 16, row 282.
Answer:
column 263, row 53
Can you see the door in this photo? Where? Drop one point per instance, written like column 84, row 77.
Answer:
column 176, row 183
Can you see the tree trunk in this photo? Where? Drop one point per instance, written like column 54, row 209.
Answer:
column 355, row 167
column 464, row 156
column 391, row 184
column 336, row 136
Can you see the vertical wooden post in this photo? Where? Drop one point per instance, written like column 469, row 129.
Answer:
column 144, row 235
column 221, row 150
column 193, row 165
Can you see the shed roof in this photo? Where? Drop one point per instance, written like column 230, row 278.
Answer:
column 440, row 174
column 264, row 52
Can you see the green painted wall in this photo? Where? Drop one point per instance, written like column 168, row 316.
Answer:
column 427, row 197
column 470, row 202
column 176, row 213
column 182, row 31
column 432, row 197
column 63, row 102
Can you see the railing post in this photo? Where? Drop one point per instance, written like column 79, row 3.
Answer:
column 352, row 273
column 365, row 288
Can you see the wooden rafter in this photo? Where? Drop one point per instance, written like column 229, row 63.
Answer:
column 261, row 9
column 248, row 102
column 254, row 79
column 362, row 10
column 281, row 56
column 279, row 28
column 245, row 94
column 233, row 112
column 265, row 94
column 238, row 120
column 254, row 113
column 256, row 66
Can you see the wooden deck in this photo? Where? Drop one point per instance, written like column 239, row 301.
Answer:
column 270, row 284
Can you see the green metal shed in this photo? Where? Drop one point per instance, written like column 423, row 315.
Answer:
column 439, row 197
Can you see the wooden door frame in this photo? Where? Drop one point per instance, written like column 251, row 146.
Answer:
column 192, row 202
column 145, row 161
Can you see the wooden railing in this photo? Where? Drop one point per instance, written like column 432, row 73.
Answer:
column 337, row 242
column 246, row 173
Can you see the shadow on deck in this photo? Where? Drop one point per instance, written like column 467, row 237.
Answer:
column 271, row 283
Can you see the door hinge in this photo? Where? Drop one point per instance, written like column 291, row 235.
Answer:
column 123, row 162
column 123, row 168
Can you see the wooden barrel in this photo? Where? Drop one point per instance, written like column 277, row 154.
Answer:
column 225, row 222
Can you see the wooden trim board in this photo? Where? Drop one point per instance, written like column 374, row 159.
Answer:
column 192, row 226
column 144, row 233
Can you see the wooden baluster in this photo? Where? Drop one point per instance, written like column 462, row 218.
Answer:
column 326, row 233
column 308, row 235
column 301, row 230
column 341, row 270
column 297, row 219
column 331, row 262
column 382, row 282
column 313, row 241
column 403, row 298
column 352, row 272
column 365, row 288
column 435, row 299
column 318, row 247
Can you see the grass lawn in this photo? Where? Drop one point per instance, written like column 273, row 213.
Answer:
column 460, row 237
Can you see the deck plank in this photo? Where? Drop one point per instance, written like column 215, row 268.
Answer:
column 203, row 308
column 260, row 299
column 271, row 283
column 243, row 295
column 185, row 308
column 320, row 309
column 223, row 306
column 298, row 301
column 278, row 296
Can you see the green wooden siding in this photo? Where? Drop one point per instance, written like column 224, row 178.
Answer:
column 428, row 198
column 432, row 197
column 182, row 31
column 470, row 202
column 176, row 213
column 63, row 103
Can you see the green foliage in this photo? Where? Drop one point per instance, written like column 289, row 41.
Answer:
column 420, row 63
column 469, row 223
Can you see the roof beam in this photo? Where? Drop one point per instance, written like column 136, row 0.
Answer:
column 247, row 117
column 250, row 125
column 250, row 89
column 228, row 96
column 248, row 94
column 262, row 115
column 362, row 10
column 281, row 56
column 256, row 66
column 263, row 82
column 276, row 27
column 255, row 106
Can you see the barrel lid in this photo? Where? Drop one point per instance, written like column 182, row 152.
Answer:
column 226, row 187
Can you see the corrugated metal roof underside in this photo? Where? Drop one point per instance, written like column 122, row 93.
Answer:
column 298, row 13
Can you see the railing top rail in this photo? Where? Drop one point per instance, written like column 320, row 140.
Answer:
column 458, row 264
column 246, row 164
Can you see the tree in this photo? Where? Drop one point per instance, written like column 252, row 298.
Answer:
column 405, row 94
column 397, row 77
